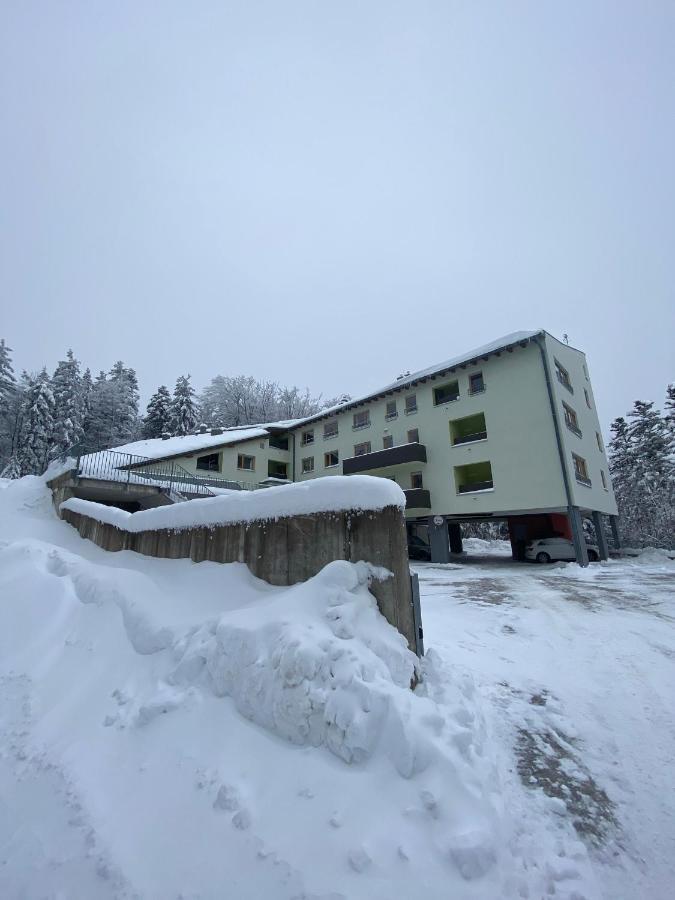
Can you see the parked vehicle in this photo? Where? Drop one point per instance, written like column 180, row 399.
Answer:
column 547, row 550
column 418, row 549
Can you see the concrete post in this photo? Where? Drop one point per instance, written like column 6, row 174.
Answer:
column 614, row 523
column 600, row 535
column 455, row 532
column 580, row 549
column 439, row 542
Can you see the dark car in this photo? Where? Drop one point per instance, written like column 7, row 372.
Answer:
column 418, row 549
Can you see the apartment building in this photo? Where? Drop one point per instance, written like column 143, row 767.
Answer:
column 506, row 432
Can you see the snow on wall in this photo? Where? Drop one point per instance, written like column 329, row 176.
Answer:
column 338, row 493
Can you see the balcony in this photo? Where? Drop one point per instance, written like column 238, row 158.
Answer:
column 573, row 428
column 382, row 459
column 474, row 478
column 583, row 479
column 417, row 498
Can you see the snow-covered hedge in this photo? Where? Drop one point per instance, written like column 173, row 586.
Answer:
column 361, row 493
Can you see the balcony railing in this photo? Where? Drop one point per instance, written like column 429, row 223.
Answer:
column 477, row 390
column 475, row 486
column 382, row 459
column 583, row 479
column 468, row 438
column 417, row 498
column 574, row 428
column 168, row 475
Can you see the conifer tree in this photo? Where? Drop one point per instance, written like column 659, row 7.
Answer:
column 37, row 428
column 158, row 416
column 68, row 406
column 183, row 407
column 7, row 379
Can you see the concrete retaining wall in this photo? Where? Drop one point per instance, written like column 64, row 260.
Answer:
column 284, row 551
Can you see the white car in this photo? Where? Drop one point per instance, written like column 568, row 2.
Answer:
column 546, row 550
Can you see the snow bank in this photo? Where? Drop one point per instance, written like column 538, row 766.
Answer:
column 338, row 493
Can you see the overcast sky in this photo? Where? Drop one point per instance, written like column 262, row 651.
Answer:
column 328, row 194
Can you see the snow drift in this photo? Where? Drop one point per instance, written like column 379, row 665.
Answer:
column 151, row 686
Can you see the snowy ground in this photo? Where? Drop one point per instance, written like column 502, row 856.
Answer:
column 170, row 730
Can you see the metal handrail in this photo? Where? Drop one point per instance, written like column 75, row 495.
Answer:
column 130, row 468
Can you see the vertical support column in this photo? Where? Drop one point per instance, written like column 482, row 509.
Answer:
column 600, row 536
column 455, row 532
column 614, row 522
column 578, row 539
column 417, row 614
column 439, row 543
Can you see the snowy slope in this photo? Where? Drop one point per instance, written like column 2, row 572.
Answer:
column 177, row 730
column 172, row 729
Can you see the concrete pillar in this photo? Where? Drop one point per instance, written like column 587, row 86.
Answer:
column 455, row 532
column 580, row 549
column 600, row 536
column 614, row 522
column 439, row 542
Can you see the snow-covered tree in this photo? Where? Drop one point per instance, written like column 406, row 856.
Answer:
column 643, row 475
column 112, row 416
column 12, row 468
column 7, row 379
column 8, row 398
column 669, row 413
column 158, row 415
column 37, row 428
column 241, row 400
column 68, row 407
column 183, row 407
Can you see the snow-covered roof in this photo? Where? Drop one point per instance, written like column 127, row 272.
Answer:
column 508, row 340
column 156, row 448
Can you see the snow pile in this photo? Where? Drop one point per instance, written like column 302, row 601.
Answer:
column 268, row 736
column 651, row 556
column 479, row 546
column 337, row 493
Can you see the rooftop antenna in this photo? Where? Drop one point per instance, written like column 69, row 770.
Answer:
column 566, row 338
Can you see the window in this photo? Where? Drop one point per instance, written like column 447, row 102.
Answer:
column 580, row 470
column 307, row 437
column 563, row 376
column 468, row 429
column 307, row 464
column 446, row 392
column 330, row 459
column 361, row 420
column 387, row 441
column 330, row 429
column 414, row 436
column 571, row 419
column 246, row 462
column 211, row 462
column 416, row 480
column 474, row 477
column 279, row 443
column 476, row 383
column 391, row 412
column 410, row 404
column 603, row 479
column 598, row 438
column 585, row 370
column 276, row 469
column 362, row 449
column 588, row 399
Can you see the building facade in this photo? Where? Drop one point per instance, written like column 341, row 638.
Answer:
column 507, row 432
